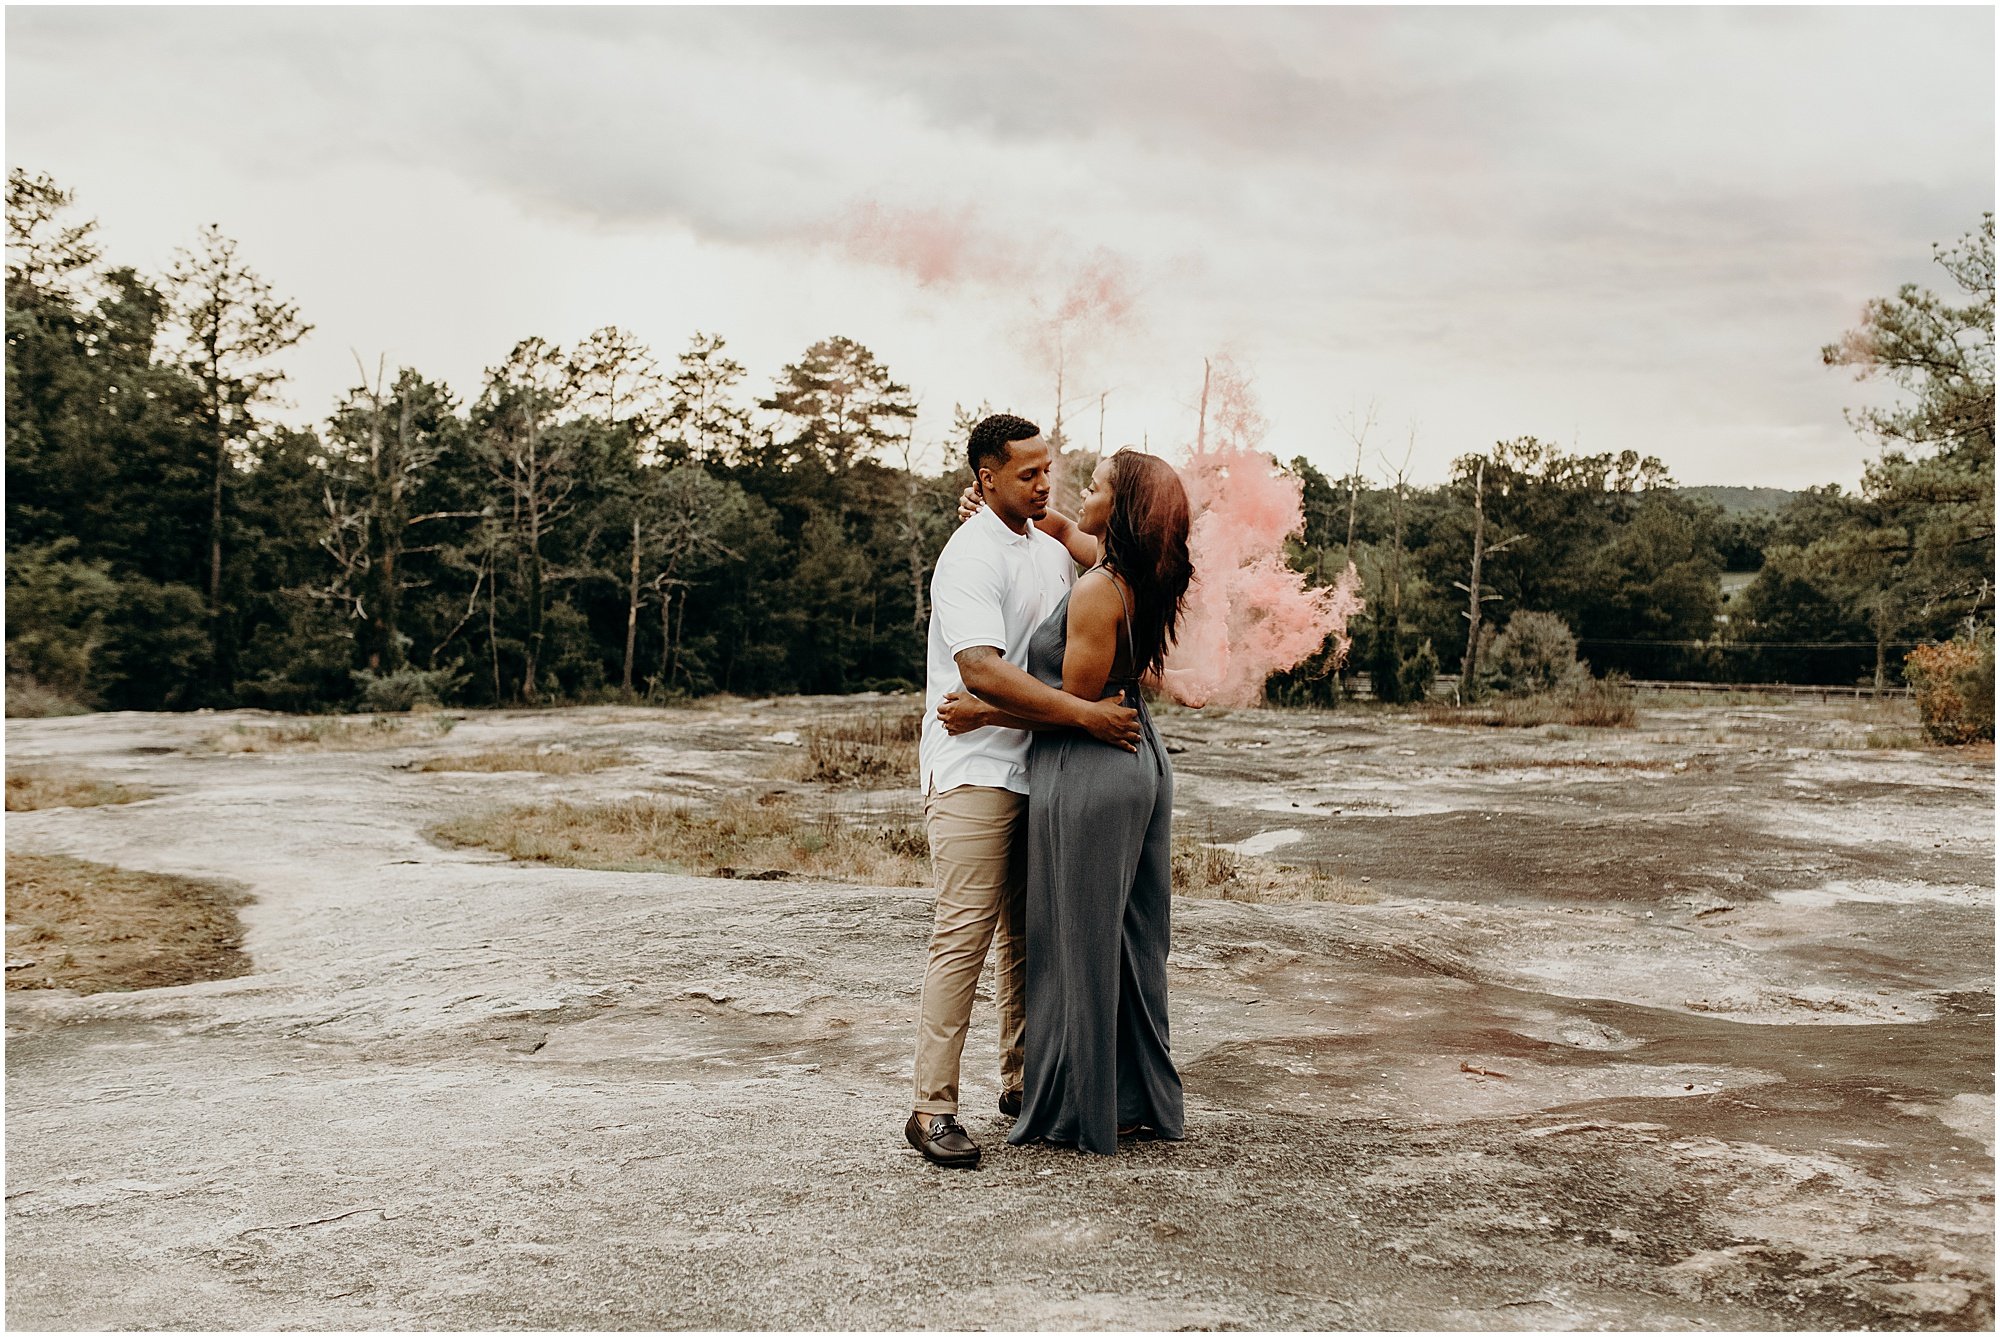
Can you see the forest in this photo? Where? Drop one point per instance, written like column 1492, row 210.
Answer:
column 598, row 523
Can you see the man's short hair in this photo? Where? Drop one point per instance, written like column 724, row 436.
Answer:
column 993, row 435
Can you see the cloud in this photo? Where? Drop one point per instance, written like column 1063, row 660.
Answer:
column 1487, row 215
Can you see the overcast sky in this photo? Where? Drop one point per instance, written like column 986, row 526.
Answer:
column 1613, row 228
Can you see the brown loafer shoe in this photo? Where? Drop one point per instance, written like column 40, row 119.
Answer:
column 1010, row 1104
column 942, row 1141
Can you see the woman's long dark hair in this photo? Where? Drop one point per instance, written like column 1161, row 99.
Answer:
column 1146, row 543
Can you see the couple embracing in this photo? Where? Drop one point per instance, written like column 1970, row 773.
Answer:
column 1048, row 798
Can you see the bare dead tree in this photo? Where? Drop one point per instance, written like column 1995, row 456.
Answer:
column 480, row 574
column 1476, row 599
column 1356, row 428
column 912, row 530
column 343, row 539
column 1400, row 478
column 1201, row 417
column 632, row 602
column 1056, row 430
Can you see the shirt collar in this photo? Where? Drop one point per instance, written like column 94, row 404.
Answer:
column 1002, row 533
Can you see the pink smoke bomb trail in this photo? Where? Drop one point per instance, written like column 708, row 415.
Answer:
column 1249, row 615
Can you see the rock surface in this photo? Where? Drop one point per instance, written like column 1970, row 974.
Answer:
column 1686, row 1026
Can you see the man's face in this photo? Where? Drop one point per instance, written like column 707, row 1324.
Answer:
column 1017, row 488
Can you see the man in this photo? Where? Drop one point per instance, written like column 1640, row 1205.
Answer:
column 995, row 581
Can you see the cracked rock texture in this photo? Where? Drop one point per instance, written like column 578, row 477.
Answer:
column 1700, row 1039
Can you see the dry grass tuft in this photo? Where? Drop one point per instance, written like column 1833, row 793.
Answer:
column 765, row 839
column 36, row 787
column 1200, row 868
column 872, row 750
column 1597, row 703
column 1902, row 739
column 1601, row 703
column 1208, row 872
column 1593, row 764
column 94, row 928
column 330, row 733
column 543, row 761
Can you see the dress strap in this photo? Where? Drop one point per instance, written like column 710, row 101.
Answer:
column 1160, row 763
column 1131, row 654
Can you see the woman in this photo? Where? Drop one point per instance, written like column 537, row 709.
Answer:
column 1099, row 829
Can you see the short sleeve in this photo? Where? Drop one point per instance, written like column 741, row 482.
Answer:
column 968, row 602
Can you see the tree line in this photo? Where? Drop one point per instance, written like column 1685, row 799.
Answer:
column 1836, row 585
column 594, row 525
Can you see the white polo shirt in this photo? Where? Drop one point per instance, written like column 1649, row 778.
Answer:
column 991, row 587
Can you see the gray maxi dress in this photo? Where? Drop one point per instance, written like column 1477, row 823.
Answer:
column 1100, row 881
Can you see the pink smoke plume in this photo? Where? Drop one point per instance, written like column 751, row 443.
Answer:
column 1249, row 615
column 931, row 245
column 1097, row 297
column 1099, row 292
column 1073, row 299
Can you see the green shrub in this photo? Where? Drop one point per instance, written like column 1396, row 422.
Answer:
column 406, row 688
column 56, row 611
column 157, row 652
column 1534, row 655
column 97, row 639
column 1418, row 674
column 1953, row 681
column 1315, row 681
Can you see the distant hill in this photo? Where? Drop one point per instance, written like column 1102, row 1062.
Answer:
column 1742, row 500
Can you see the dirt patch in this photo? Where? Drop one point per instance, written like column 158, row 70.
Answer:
column 93, row 928
column 767, row 838
column 330, row 734
column 37, row 788
column 542, row 761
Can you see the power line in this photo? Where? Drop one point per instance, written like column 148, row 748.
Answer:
column 1755, row 645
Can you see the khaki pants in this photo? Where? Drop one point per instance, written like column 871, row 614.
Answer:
column 979, row 850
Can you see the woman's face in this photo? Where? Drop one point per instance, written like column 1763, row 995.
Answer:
column 1097, row 501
